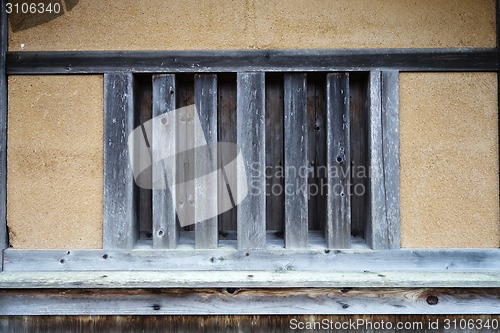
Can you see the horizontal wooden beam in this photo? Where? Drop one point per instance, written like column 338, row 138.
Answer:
column 249, row 301
column 82, row 62
column 127, row 279
column 280, row 260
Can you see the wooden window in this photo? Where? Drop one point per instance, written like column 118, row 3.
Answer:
column 309, row 187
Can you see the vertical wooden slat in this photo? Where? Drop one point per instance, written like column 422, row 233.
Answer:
column 4, row 243
column 390, row 138
column 144, row 194
column 296, row 164
column 338, row 224
column 250, row 119
column 205, row 95
column 165, row 227
column 274, row 153
column 382, row 230
column 120, row 227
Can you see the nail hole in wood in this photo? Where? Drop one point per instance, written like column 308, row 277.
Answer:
column 62, row 261
column 231, row 290
column 105, row 256
column 432, row 300
column 156, row 307
column 160, row 233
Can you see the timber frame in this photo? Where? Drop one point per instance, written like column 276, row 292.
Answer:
column 252, row 281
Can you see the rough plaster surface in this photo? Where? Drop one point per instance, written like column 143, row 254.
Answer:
column 210, row 24
column 55, row 161
column 449, row 160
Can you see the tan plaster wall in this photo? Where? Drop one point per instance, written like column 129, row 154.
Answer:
column 212, row 24
column 449, row 160
column 55, row 161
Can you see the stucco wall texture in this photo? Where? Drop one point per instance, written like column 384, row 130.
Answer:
column 55, row 122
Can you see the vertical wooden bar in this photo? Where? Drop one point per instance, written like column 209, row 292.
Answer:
column 382, row 231
column 296, row 164
column 4, row 243
column 165, row 227
column 338, row 224
column 120, row 227
column 390, row 146
column 205, row 95
column 251, row 137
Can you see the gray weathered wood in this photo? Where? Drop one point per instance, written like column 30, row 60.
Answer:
column 275, row 259
column 332, row 60
column 166, row 230
column 296, row 164
column 4, row 243
column 205, row 96
column 274, row 154
column 253, row 301
column 390, row 146
column 338, row 223
column 247, row 279
column 382, row 230
column 120, row 229
column 251, row 137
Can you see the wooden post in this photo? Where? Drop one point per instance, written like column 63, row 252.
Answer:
column 205, row 95
column 165, row 227
column 4, row 242
column 338, row 223
column 120, row 229
column 382, row 230
column 250, row 118
column 296, row 164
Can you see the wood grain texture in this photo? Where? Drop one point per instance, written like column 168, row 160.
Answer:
column 382, row 230
column 165, row 230
column 251, row 137
column 229, row 323
column 205, row 97
column 249, row 301
column 338, row 224
column 272, row 260
column 4, row 242
column 78, row 62
column 296, row 163
column 120, row 229
column 247, row 279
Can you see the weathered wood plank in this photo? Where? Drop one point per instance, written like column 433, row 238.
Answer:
column 274, row 153
column 332, row 60
column 166, row 230
column 226, row 123
column 382, row 230
column 249, row 301
column 296, row 163
column 251, row 212
column 390, row 138
column 338, row 224
column 205, row 95
column 278, row 259
column 120, row 229
column 4, row 243
column 247, row 279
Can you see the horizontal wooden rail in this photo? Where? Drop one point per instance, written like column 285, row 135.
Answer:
column 244, row 301
column 82, row 62
column 278, row 260
column 248, row 279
